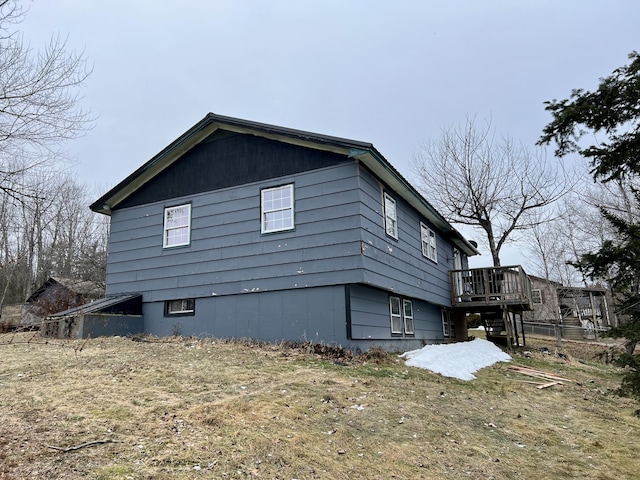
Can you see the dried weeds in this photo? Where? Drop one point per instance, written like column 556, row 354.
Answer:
column 177, row 408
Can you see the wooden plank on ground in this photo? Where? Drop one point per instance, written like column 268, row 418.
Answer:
column 538, row 374
column 547, row 385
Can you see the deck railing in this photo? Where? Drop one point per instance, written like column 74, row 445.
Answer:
column 491, row 286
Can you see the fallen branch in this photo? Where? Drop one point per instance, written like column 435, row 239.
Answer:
column 82, row 445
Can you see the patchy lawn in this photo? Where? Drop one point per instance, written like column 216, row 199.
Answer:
column 186, row 408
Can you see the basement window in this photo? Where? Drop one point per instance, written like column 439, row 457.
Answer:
column 396, row 315
column 407, row 307
column 184, row 306
column 401, row 311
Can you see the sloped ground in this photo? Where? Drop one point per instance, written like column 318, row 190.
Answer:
column 183, row 408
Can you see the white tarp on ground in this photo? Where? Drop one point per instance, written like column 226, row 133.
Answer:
column 459, row 360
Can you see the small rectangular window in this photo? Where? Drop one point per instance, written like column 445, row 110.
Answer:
column 277, row 209
column 184, row 306
column 177, row 226
column 408, row 316
column 428, row 240
column 396, row 315
column 390, row 216
column 445, row 324
column 536, row 295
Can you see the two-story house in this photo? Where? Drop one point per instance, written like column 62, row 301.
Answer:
column 241, row 229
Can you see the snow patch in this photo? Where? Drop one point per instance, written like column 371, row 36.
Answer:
column 458, row 360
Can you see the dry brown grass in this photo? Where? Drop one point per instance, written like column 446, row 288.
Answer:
column 185, row 408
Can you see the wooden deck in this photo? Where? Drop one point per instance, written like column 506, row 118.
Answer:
column 476, row 289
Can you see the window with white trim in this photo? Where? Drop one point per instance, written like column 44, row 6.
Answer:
column 448, row 325
column 401, row 311
column 177, row 226
column 277, row 209
column 183, row 306
column 390, row 216
column 428, row 240
column 407, row 306
column 396, row 315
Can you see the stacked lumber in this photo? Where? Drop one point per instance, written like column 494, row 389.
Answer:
column 551, row 379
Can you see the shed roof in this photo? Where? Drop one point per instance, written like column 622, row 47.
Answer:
column 81, row 287
column 362, row 151
column 128, row 304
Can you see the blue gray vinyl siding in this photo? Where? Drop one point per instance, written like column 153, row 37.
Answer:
column 398, row 265
column 228, row 255
column 371, row 320
column 291, row 284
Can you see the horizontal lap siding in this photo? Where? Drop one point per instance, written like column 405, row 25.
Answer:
column 398, row 265
column 228, row 255
column 371, row 320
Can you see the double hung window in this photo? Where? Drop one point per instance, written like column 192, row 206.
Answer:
column 390, row 216
column 277, row 209
column 428, row 240
column 177, row 226
column 448, row 325
column 401, row 312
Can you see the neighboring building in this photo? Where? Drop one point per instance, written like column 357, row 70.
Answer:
column 57, row 294
column 545, row 302
column 241, row 229
column 578, row 312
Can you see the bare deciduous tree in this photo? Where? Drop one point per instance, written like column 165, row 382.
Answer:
column 495, row 185
column 39, row 101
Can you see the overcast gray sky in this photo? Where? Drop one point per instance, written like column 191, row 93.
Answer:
column 392, row 73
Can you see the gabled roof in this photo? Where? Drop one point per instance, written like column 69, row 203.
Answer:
column 79, row 287
column 362, row 151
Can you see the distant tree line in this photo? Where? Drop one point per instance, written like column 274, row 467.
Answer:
column 45, row 225
column 52, row 233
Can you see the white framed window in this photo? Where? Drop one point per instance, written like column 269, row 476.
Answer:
column 401, row 311
column 428, row 240
column 177, row 226
column 407, row 308
column 184, row 306
column 277, row 209
column 448, row 325
column 396, row 315
column 536, row 295
column 390, row 216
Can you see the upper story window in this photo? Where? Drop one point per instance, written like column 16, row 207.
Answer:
column 277, row 209
column 536, row 295
column 428, row 239
column 177, row 226
column 390, row 216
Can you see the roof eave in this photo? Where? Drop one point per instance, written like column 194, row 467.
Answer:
column 381, row 167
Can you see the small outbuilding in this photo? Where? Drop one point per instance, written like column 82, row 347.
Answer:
column 114, row 315
column 57, row 294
